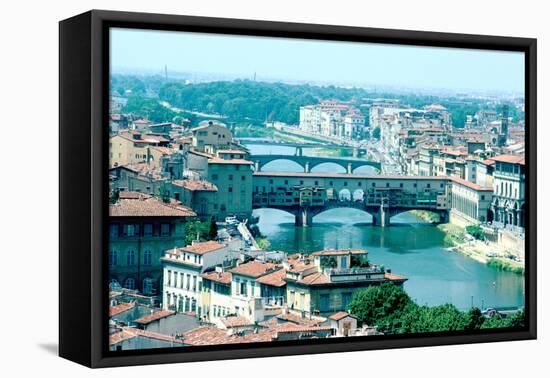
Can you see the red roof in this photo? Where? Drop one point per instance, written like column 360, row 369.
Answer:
column 200, row 248
column 154, row 316
column 196, row 185
column 470, row 184
column 221, row 277
column 255, row 268
column 120, row 308
column 340, row 315
column 133, row 204
column 276, row 278
column 513, row 159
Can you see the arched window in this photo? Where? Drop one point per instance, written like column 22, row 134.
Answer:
column 147, row 257
column 130, row 283
column 112, row 258
column 130, row 257
column 114, row 285
column 149, row 286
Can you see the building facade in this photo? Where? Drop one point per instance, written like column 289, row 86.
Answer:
column 141, row 228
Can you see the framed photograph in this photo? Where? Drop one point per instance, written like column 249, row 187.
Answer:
column 235, row 188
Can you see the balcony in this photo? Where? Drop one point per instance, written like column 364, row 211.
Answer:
column 354, row 274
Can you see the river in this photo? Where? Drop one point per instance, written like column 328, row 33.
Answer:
column 409, row 246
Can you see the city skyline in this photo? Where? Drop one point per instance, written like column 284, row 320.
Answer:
column 319, row 61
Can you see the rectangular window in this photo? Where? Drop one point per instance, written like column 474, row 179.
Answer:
column 165, row 229
column 147, row 229
column 325, row 302
column 113, row 230
column 346, row 299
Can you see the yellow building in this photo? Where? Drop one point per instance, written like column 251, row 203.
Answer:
column 131, row 147
column 324, row 282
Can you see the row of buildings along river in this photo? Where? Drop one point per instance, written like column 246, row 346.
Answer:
column 167, row 292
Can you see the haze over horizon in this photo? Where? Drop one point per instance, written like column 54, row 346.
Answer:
column 318, row 62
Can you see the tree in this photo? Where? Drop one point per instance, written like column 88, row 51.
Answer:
column 114, row 196
column 516, row 320
column 381, row 305
column 433, row 319
column 263, row 244
column 213, row 232
column 476, row 231
column 474, row 319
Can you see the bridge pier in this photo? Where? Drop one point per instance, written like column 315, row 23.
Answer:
column 257, row 166
column 381, row 218
column 304, row 218
column 306, row 167
column 349, row 170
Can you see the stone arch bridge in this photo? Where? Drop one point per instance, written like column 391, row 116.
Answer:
column 306, row 195
column 309, row 162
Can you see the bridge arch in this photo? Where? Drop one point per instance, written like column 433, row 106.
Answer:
column 369, row 169
column 343, row 206
column 269, row 164
column 432, row 216
column 328, row 167
column 319, row 167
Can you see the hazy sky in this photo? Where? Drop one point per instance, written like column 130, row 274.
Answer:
column 294, row 59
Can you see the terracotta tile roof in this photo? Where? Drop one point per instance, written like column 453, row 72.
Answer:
column 470, row 185
column 196, row 185
column 127, row 333
column 297, row 266
column 315, row 279
column 236, row 321
column 131, row 204
column 255, row 268
column 163, row 150
column 276, row 278
column 513, row 159
column 340, row 252
column 199, row 153
column 221, row 277
column 299, row 319
column 120, row 308
column 207, row 335
column 454, row 152
column 200, row 248
column 154, row 316
column 340, row 315
column 141, row 138
column 120, row 336
column 290, row 327
column 395, row 277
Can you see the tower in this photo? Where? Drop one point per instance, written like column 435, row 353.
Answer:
column 503, row 134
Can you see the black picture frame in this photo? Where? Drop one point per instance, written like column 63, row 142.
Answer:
column 83, row 196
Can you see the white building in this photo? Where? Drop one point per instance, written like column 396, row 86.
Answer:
column 182, row 269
